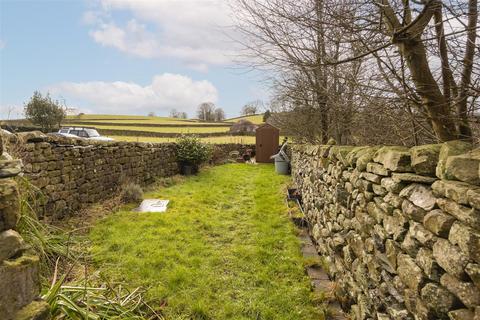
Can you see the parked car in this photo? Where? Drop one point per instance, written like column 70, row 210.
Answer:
column 83, row 132
column 67, row 135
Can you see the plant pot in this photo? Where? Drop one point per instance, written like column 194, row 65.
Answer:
column 187, row 169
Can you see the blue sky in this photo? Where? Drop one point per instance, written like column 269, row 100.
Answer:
column 122, row 56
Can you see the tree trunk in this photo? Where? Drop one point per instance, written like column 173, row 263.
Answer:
column 434, row 102
column 408, row 40
column 464, row 128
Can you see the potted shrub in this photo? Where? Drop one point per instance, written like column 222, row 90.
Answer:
column 191, row 152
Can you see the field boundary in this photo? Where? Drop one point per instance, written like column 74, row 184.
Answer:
column 153, row 125
column 137, row 133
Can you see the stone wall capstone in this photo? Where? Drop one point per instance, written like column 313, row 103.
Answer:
column 398, row 227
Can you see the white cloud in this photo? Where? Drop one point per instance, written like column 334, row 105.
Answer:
column 194, row 31
column 166, row 91
column 2, row 44
column 134, row 38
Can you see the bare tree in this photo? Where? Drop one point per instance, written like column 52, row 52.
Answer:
column 174, row 113
column 420, row 60
column 290, row 39
column 252, row 107
column 219, row 115
column 206, row 111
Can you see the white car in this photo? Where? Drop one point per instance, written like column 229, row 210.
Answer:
column 83, row 132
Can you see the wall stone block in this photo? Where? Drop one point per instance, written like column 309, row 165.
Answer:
column 410, row 220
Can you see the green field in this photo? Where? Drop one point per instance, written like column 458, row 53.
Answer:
column 161, row 125
column 169, row 129
column 215, row 140
column 115, row 117
column 131, row 119
column 257, row 119
column 151, row 121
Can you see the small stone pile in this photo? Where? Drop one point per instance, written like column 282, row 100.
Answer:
column 19, row 268
column 399, row 227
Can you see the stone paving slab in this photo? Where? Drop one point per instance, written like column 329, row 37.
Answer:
column 318, row 277
column 317, row 273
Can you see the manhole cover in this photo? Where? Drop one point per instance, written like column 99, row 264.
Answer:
column 153, row 205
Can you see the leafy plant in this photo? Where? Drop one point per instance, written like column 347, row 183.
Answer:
column 83, row 300
column 191, row 151
column 47, row 241
column 44, row 111
column 131, row 192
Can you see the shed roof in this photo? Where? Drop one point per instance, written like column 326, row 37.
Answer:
column 267, row 126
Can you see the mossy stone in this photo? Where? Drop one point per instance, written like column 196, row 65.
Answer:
column 425, row 158
column 394, row 158
column 450, row 148
column 36, row 310
column 464, row 167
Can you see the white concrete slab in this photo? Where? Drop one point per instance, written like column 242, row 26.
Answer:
column 153, row 205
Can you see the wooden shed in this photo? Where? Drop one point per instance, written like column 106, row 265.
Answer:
column 266, row 142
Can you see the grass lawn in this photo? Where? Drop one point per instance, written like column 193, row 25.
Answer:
column 225, row 249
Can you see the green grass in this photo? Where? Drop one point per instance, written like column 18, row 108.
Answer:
column 89, row 117
column 135, row 119
column 225, row 249
column 257, row 119
column 214, row 140
column 192, row 129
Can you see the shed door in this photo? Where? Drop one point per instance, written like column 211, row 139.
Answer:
column 266, row 144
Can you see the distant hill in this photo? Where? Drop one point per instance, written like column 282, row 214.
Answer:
column 257, row 118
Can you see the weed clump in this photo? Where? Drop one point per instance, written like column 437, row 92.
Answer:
column 131, row 193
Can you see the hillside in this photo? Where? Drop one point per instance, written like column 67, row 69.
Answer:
column 155, row 129
column 161, row 129
column 257, row 118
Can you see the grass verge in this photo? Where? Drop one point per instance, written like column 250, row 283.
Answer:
column 224, row 250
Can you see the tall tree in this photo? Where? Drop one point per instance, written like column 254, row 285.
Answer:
column 206, row 111
column 174, row 113
column 419, row 59
column 219, row 115
column 44, row 111
column 252, row 107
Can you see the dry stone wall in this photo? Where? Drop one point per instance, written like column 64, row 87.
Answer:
column 70, row 174
column 19, row 267
column 74, row 173
column 399, row 228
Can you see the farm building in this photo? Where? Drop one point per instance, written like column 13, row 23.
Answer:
column 243, row 127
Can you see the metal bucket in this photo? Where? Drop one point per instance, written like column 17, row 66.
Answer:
column 281, row 167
